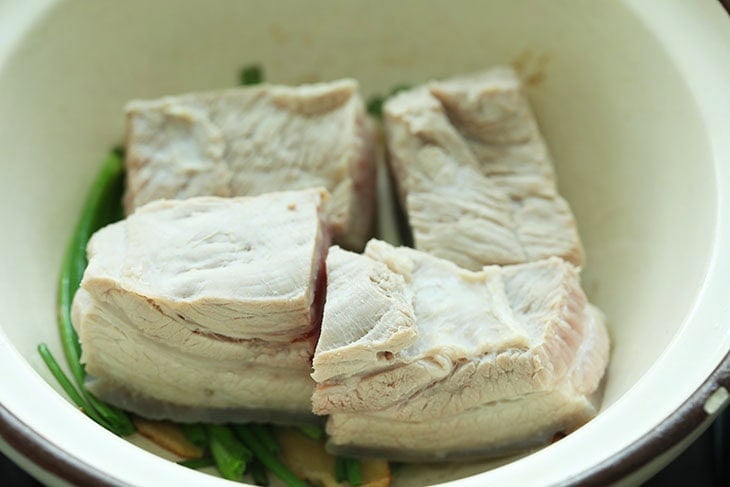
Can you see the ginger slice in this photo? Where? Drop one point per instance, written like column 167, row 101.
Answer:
column 308, row 459
column 168, row 435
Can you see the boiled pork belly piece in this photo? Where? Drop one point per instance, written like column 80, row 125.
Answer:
column 254, row 140
column 419, row 359
column 474, row 175
column 207, row 309
column 370, row 317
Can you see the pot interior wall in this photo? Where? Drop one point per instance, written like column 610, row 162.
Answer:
column 629, row 146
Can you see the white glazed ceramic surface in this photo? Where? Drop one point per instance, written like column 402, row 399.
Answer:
column 634, row 101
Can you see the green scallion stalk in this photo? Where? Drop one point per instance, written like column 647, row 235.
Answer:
column 102, row 204
column 310, row 431
column 68, row 386
column 230, row 455
column 340, row 469
column 74, row 262
column 197, row 463
column 195, row 433
column 354, row 475
column 259, row 474
column 252, row 75
column 118, row 419
column 375, row 103
column 264, row 435
column 267, row 458
column 398, row 88
column 375, row 106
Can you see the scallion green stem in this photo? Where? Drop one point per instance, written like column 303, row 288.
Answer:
column 231, row 456
column 68, row 386
column 398, row 88
column 195, row 433
column 101, row 206
column 121, row 424
column 375, row 103
column 252, row 75
column 74, row 262
column 375, row 106
column 340, row 469
column 311, row 431
column 267, row 458
column 354, row 475
column 264, row 435
column 197, row 463
column 258, row 473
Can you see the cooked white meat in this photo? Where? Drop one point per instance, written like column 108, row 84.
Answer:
column 427, row 360
column 249, row 141
column 206, row 308
column 474, row 175
column 378, row 322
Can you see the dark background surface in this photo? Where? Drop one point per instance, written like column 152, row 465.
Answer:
column 706, row 463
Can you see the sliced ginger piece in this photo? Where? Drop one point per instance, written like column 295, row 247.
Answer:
column 168, row 435
column 308, row 459
column 375, row 473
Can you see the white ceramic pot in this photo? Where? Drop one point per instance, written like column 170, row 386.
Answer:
column 633, row 98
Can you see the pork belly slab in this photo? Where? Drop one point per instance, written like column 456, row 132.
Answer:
column 207, row 309
column 419, row 359
column 250, row 141
column 474, row 175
